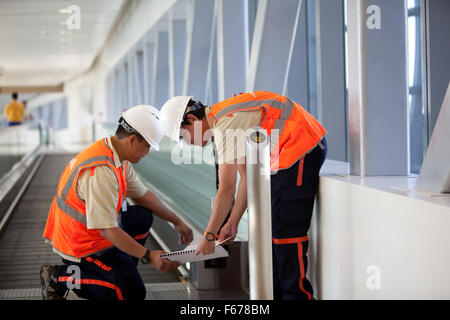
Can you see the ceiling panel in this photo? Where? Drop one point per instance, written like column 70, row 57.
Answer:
column 37, row 46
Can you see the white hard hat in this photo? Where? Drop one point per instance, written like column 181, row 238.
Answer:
column 171, row 116
column 144, row 119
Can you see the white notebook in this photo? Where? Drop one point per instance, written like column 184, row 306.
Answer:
column 188, row 254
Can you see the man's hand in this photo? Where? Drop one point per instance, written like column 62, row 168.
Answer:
column 127, row 244
column 185, row 234
column 229, row 230
column 205, row 247
column 154, row 204
column 161, row 264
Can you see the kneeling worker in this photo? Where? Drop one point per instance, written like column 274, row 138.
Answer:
column 99, row 239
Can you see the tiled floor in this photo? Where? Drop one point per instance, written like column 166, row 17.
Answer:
column 156, row 291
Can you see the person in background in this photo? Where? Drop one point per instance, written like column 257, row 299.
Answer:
column 14, row 111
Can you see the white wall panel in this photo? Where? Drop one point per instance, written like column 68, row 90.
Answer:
column 378, row 221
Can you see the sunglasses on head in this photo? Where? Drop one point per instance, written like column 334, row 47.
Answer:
column 192, row 106
column 126, row 126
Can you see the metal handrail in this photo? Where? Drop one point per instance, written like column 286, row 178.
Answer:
column 19, row 194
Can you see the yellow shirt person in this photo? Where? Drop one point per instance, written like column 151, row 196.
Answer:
column 14, row 111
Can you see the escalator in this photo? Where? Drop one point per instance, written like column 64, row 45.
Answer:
column 23, row 250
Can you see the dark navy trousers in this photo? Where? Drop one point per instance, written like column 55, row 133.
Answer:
column 292, row 193
column 112, row 275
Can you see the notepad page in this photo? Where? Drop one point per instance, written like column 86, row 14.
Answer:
column 188, row 254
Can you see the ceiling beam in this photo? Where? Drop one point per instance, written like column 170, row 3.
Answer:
column 32, row 89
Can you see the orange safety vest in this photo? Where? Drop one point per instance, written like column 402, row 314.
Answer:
column 299, row 132
column 66, row 224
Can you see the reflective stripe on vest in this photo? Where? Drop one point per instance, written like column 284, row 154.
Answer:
column 66, row 224
column 61, row 200
column 286, row 107
column 72, row 212
column 75, row 172
column 293, row 131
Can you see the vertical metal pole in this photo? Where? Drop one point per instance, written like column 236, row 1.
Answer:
column 259, row 214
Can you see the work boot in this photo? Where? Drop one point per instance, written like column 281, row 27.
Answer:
column 51, row 288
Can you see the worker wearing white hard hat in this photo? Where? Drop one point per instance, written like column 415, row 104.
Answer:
column 174, row 111
column 90, row 225
column 145, row 121
column 180, row 112
column 298, row 149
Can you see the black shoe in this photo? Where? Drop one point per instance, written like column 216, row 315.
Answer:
column 51, row 289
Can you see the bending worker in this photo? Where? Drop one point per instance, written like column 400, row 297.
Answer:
column 99, row 238
column 299, row 150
